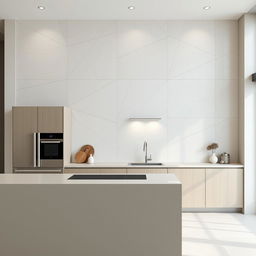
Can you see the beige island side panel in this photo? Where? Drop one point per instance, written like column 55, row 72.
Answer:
column 55, row 217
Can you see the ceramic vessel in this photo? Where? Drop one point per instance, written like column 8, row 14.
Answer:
column 213, row 158
column 90, row 159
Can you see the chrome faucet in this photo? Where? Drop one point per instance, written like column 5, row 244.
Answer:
column 145, row 149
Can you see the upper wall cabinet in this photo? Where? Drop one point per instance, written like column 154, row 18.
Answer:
column 50, row 119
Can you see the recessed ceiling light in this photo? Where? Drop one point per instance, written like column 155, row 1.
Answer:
column 131, row 7
column 40, row 7
column 207, row 7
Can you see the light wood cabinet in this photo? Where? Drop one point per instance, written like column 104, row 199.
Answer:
column 94, row 170
column 193, row 186
column 201, row 188
column 148, row 170
column 114, row 170
column 224, row 188
column 24, row 122
column 50, row 119
column 29, row 120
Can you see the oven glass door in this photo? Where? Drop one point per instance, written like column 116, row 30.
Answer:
column 51, row 150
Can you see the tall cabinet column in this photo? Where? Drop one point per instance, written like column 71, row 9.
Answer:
column 24, row 125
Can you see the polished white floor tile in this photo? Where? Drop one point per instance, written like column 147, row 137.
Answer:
column 218, row 234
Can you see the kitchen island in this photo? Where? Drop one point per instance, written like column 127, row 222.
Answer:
column 49, row 214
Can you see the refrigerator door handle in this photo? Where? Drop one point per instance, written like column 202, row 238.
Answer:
column 34, row 149
column 38, row 149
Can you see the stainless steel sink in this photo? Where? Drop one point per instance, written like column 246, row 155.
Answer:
column 146, row 164
column 147, row 159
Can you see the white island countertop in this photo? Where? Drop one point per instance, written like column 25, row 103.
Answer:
column 63, row 179
column 164, row 165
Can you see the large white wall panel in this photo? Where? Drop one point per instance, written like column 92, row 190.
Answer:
column 108, row 71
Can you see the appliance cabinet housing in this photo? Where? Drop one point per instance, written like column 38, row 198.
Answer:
column 29, row 120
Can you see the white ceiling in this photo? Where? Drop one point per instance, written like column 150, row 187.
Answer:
column 117, row 9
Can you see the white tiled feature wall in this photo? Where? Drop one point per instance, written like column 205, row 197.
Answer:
column 142, row 98
column 226, row 48
column 197, row 97
column 107, row 71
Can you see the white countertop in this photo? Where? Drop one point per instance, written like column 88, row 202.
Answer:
column 63, row 179
column 165, row 165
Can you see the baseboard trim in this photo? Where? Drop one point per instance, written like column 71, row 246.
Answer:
column 220, row 210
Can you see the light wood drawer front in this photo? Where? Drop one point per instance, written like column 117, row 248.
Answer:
column 112, row 170
column 142, row 170
column 224, row 188
column 94, row 170
column 193, row 186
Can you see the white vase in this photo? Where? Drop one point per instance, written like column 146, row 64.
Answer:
column 90, row 159
column 213, row 158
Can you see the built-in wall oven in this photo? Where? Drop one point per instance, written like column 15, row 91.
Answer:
column 48, row 150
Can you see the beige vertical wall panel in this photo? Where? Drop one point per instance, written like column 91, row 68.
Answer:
column 247, row 110
column 67, row 127
column 193, row 186
column 241, row 92
column 50, row 119
column 224, row 188
column 24, row 125
column 1, row 106
column 10, row 92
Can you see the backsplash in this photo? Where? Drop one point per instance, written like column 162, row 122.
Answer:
column 185, row 72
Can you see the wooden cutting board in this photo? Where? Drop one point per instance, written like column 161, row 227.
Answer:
column 84, row 153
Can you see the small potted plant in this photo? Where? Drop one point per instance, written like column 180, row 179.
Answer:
column 213, row 158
